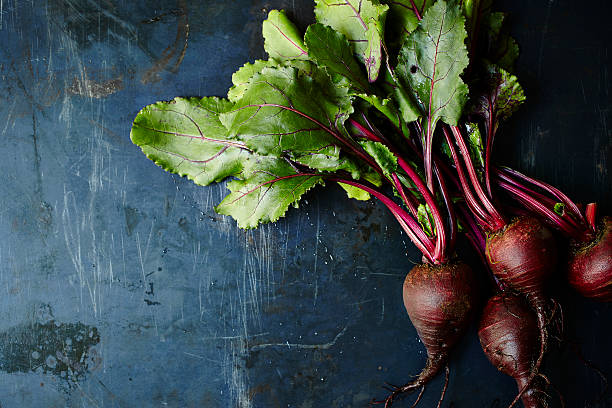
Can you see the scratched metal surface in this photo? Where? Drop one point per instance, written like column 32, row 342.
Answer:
column 120, row 287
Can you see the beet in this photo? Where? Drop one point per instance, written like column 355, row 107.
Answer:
column 590, row 267
column 523, row 255
column 440, row 300
column 508, row 333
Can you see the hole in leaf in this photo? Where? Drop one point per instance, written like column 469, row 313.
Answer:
column 413, row 69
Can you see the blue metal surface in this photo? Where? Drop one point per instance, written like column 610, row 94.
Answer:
column 120, row 287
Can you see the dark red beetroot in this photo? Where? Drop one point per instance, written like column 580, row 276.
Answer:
column 522, row 255
column 590, row 263
column 439, row 300
column 508, row 333
column 590, row 267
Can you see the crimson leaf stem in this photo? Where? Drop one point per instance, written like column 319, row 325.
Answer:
column 496, row 218
column 541, row 208
column 546, row 187
column 479, row 213
column 408, row 223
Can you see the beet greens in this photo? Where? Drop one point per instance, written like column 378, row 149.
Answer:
column 401, row 101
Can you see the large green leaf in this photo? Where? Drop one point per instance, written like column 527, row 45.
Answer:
column 331, row 49
column 282, row 39
column 285, row 114
column 431, row 62
column 185, row 137
column 268, row 186
column 362, row 22
column 335, row 87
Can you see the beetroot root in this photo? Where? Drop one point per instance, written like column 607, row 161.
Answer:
column 440, row 300
column 508, row 335
column 523, row 255
column 590, row 267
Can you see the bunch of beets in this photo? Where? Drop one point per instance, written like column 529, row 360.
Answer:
column 400, row 101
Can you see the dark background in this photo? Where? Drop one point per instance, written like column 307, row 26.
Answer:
column 119, row 285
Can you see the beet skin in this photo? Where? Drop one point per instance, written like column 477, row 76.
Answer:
column 508, row 333
column 590, row 267
column 522, row 256
column 439, row 300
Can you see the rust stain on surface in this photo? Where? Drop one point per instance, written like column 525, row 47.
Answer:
column 65, row 350
column 172, row 56
column 95, row 89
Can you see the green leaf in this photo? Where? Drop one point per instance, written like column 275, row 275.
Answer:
column 374, row 51
column 282, row 39
column 401, row 18
column 501, row 94
column 559, row 208
column 475, row 144
column 488, row 29
column 407, row 106
column 382, row 155
column 268, row 186
column 431, row 62
column 425, row 219
column 500, row 47
column 185, row 137
column 510, row 95
column 362, row 22
column 384, row 106
column 475, row 11
column 284, row 113
column 241, row 78
column 354, row 192
column 330, row 49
